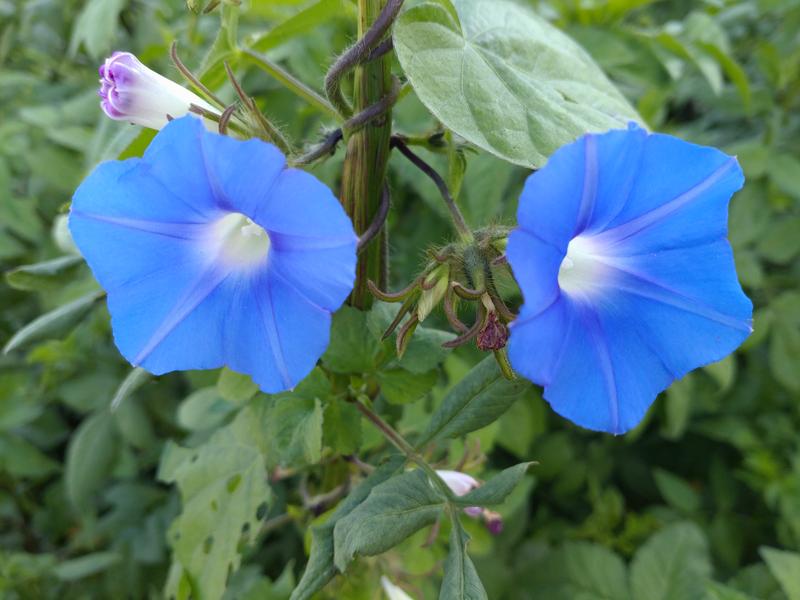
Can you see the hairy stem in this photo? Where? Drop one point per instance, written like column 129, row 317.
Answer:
column 370, row 32
column 367, row 155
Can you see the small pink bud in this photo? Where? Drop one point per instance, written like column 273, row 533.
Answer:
column 129, row 91
column 461, row 484
column 494, row 522
column 494, row 335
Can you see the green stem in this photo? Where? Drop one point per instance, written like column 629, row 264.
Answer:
column 365, row 163
column 292, row 83
column 459, row 223
column 399, row 442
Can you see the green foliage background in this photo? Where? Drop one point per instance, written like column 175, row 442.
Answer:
column 196, row 480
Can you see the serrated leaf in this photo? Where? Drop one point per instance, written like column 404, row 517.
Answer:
column 90, row 456
column 44, row 276
column 504, row 78
column 672, row 565
column 53, row 323
column 785, row 566
column 320, row 568
column 223, row 487
column 461, row 581
column 474, row 402
column 393, row 511
column 496, row 489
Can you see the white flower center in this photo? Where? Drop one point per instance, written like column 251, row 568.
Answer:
column 580, row 270
column 240, row 240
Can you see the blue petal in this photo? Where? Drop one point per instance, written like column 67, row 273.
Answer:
column 688, row 303
column 168, row 322
column 275, row 334
column 129, row 228
column 242, row 174
column 536, row 265
column 608, row 375
column 537, row 339
column 175, row 160
column 664, row 298
column 146, row 229
column 322, row 274
column 302, row 206
column 679, row 197
column 552, row 196
column 313, row 242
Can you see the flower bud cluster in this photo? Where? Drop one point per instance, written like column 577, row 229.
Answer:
column 460, row 272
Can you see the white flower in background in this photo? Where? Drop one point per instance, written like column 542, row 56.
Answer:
column 394, row 592
column 129, row 91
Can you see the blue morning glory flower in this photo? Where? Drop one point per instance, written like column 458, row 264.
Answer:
column 214, row 253
column 627, row 276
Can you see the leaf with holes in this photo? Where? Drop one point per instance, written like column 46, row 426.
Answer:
column 223, row 486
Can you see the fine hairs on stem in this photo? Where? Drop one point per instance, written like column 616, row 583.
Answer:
column 371, row 232
column 357, row 54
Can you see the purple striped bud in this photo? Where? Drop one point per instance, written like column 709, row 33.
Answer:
column 129, row 91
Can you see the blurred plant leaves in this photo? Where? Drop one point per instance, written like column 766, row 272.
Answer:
column 90, row 458
column 785, row 566
column 45, row 276
column 96, row 26
column 53, row 323
column 672, row 565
